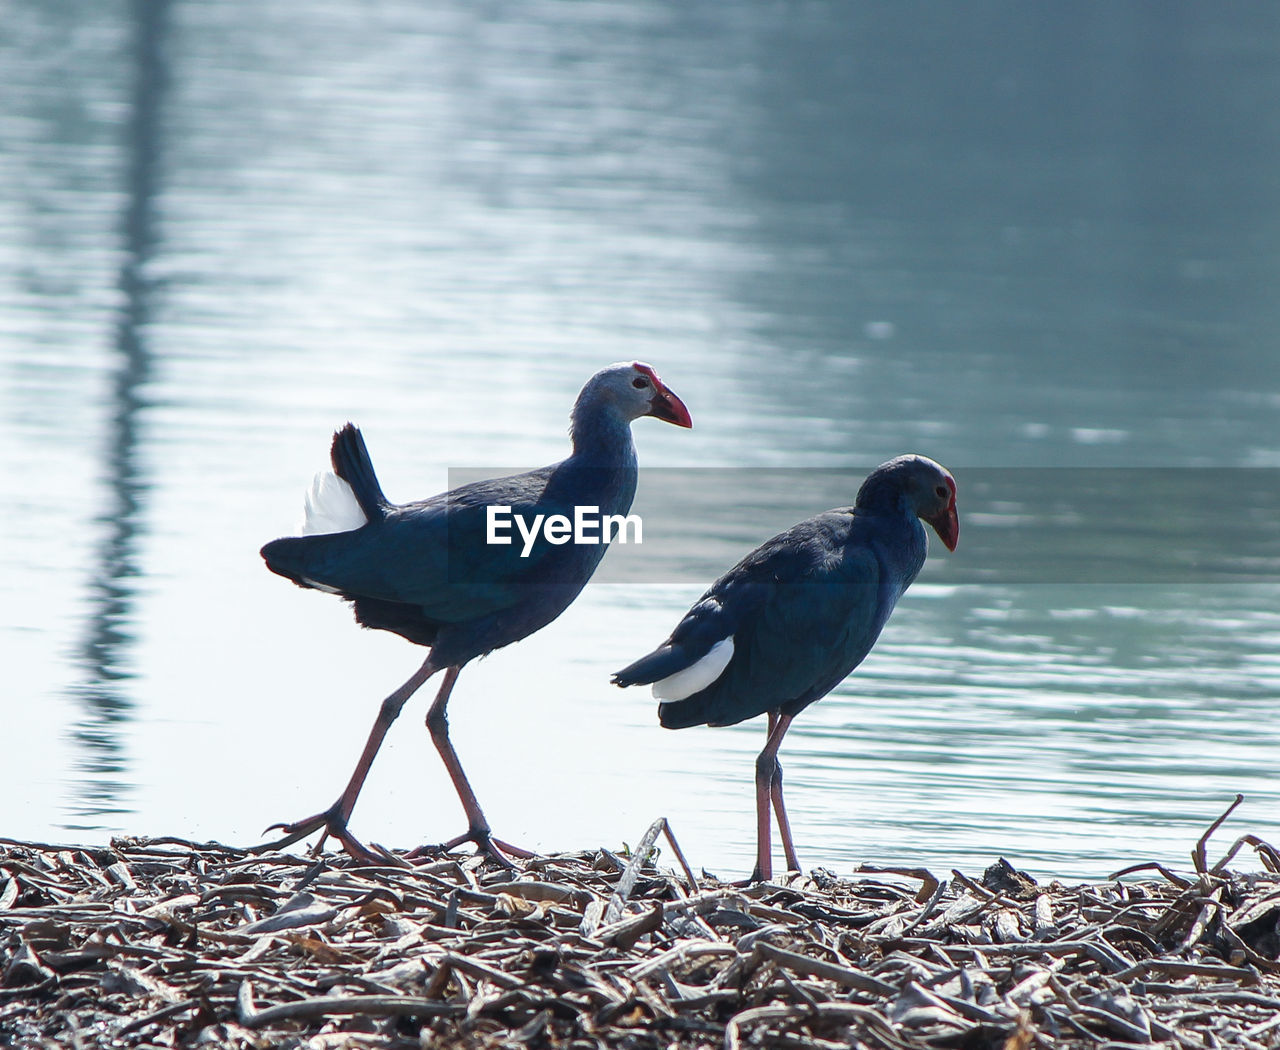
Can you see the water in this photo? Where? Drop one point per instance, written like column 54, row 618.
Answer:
column 1005, row 236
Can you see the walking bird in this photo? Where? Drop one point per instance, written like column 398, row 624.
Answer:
column 432, row 572
column 786, row 624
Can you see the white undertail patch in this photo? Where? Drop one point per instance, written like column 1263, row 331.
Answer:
column 320, row 586
column 331, row 506
column 696, row 676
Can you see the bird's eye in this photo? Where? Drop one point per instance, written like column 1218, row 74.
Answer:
column 941, row 490
column 639, row 383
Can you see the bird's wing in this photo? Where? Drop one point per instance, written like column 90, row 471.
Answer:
column 779, row 614
column 813, row 630
column 792, row 647
column 716, row 616
column 435, row 554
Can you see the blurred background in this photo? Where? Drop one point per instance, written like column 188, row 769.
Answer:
column 1004, row 235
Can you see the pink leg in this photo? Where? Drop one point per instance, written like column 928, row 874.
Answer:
column 766, row 770
column 334, row 819
column 477, row 826
column 780, row 811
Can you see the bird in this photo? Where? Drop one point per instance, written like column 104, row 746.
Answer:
column 792, row 619
column 439, row 574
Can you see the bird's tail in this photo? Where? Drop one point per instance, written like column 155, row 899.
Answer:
column 302, row 558
column 663, row 661
column 352, row 464
column 684, row 679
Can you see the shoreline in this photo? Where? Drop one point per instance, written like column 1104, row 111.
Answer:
column 164, row 942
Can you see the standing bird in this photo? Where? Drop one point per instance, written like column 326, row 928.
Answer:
column 437, row 571
column 786, row 624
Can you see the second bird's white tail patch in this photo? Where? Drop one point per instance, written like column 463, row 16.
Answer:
column 330, row 506
column 697, row 675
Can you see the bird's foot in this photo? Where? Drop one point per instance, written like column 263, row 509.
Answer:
column 757, row 877
column 485, row 843
column 330, row 822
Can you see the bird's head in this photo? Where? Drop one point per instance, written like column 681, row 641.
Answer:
column 634, row 390
column 927, row 488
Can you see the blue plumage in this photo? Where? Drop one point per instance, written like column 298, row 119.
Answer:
column 428, row 571
column 431, row 561
column 800, row 612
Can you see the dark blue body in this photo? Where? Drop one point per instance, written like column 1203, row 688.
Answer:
column 425, row 570
column 803, row 609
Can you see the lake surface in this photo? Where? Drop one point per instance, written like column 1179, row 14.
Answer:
column 1037, row 243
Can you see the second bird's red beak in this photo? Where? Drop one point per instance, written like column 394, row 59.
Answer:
column 947, row 524
column 664, row 404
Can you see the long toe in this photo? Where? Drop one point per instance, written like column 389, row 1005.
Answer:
column 518, row 852
column 496, row 849
column 331, row 822
column 356, row 849
column 299, row 829
column 490, row 849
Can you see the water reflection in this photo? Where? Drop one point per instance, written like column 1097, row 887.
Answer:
column 1049, row 244
column 104, row 697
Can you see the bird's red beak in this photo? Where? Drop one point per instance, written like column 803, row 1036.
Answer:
column 664, row 404
column 947, row 524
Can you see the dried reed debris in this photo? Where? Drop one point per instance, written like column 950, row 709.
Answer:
column 165, row 943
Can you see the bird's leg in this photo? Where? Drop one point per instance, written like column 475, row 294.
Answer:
column 766, row 769
column 764, row 864
column 334, row 819
column 780, row 811
column 477, row 827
